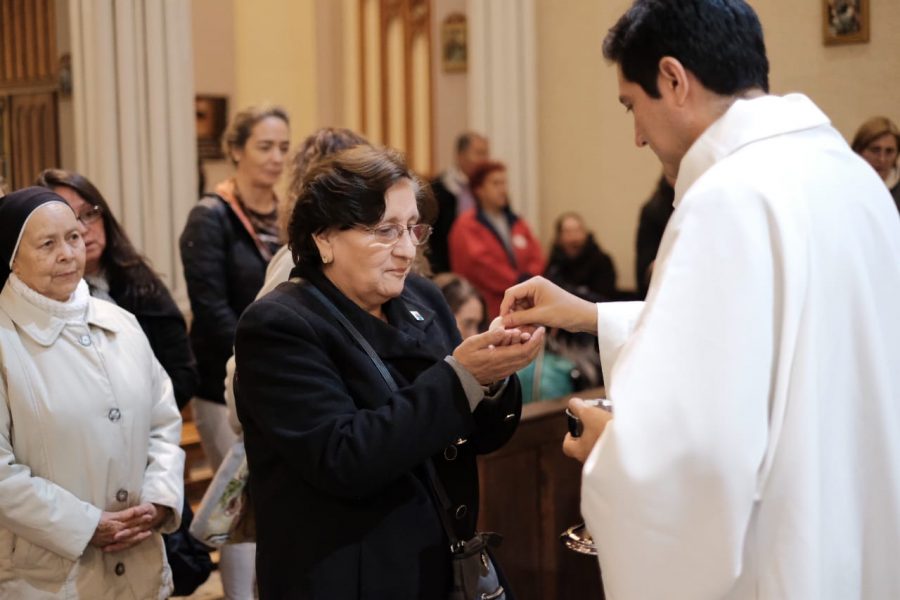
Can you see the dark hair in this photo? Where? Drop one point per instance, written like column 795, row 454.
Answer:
column 242, row 125
column 320, row 144
column 719, row 41
column 561, row 219
column 129, row 274
column 457, row 291
column 464, row 140
column 481, row 172
column 871, row 130
column 345, row 190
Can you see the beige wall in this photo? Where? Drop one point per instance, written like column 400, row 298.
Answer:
column 588, row 161
column 451, row 90
column 212, row 31
column 257, row 52
column 275, row 58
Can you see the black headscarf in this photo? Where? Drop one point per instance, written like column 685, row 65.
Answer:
column 14, row 212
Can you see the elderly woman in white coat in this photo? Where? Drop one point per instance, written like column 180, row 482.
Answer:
column 90, row 467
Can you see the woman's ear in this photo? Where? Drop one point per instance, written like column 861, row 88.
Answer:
column 673, row 80
column 324, row 243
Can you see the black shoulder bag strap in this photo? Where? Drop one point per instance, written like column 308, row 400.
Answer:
column 436, row 485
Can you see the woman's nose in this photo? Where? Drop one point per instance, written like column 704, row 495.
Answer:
column 405, row 245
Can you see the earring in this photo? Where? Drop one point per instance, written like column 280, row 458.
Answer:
column 326, row 259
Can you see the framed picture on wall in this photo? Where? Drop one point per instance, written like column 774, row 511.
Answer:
column 454, row 43
column 212, row 117
column 845, row 21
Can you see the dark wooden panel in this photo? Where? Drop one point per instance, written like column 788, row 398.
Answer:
column 34, row 141
column 530, row 493
column 27, row 44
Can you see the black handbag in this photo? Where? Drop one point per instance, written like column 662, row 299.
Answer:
column 475, row 576
column 188, row 559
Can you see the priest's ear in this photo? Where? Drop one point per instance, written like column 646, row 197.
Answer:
column 673, row 80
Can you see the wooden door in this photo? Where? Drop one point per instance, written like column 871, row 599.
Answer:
column 29, row 125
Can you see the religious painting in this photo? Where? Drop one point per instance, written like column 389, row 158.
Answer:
column 846, row 21
column 211, row 114
column 454, row 44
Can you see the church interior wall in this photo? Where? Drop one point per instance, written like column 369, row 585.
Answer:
column 587, row 158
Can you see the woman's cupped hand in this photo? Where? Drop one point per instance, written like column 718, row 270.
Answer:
column 499, row 352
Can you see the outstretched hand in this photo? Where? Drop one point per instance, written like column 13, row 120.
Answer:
column 540, row 302
column 498, row 353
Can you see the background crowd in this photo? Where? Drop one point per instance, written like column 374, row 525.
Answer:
column 98, row 358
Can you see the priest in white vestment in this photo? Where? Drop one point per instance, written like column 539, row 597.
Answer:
column 754, row 450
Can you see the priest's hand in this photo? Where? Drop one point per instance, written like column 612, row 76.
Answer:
column 593, row 420
column 540, row 302
column 498, row 353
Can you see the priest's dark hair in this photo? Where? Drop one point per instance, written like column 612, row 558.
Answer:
column 128, row 272
column 719, row 41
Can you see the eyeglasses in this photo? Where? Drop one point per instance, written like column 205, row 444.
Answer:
column 389, row 234
column 90, row 215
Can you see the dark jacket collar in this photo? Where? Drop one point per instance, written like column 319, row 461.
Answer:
column 403, row 335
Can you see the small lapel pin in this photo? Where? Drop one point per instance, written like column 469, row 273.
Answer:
column 416, row 315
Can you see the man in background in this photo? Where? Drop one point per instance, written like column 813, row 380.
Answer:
column 453, row 194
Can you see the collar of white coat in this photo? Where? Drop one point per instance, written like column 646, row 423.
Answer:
column 43, row 327
column 745, row 122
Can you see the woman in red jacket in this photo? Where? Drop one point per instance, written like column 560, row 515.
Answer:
column 490, row 245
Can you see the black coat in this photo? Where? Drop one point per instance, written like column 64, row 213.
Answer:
column 655, row 216
column 224, row 270
column 438, row 243
column 342, row 506
column 590, row 275
column 164, row 326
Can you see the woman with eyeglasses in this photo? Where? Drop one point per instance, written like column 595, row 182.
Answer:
column 878, row 142
column 339, row 461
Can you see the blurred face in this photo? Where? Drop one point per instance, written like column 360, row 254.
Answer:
column 477, row 152
column 92, row 229
column 469, row 317
column 368, row 271
column 572, row 236
column 261, row 160
column 882, row 154
column 50, row 257
column 653, row 125
column 494, row 191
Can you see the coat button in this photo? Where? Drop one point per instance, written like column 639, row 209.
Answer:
column 461, row 511
column 85, row 340
column 122, row 495
column 450, row 453
column 120, row 569
column 114, row 414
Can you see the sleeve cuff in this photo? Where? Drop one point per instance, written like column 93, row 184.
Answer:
column 616, row 321
column 473, row 390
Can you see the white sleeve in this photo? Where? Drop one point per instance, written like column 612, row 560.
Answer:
column 616, row 322
column 164, row 475
column 37, row 509
column 669, row 489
